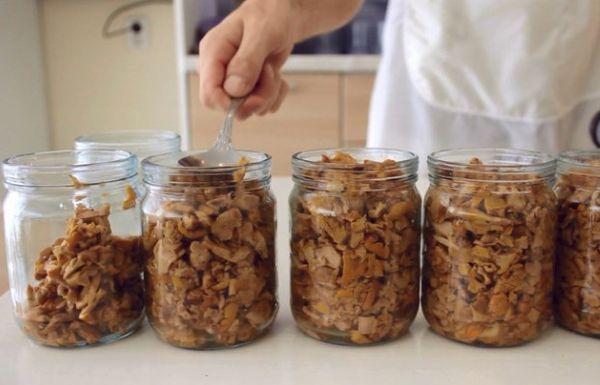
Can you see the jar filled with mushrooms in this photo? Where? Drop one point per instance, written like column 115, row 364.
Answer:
column 355, row 222
column 209, row 243
column 490, row 219
column 73, row 226
column 578, row 260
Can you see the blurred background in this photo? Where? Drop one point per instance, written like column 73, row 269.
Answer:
column 73, row 67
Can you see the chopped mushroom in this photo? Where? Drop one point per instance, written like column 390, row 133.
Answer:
column 355, row 252
column 89, row 284
column 130, row 198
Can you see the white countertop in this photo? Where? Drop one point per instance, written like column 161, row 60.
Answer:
column 318, row 63
column 286, row 356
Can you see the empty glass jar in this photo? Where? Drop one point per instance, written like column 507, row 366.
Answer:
column 72, row 225
column 578, row 258
column 490, row 220
column 355, row 218
column 209, row 241
column 142, row 143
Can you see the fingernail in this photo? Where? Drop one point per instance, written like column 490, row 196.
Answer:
column 235, row 85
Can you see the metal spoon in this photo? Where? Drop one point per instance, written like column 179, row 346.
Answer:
column 221, row 153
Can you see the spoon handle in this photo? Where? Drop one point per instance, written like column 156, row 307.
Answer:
column 224, row 139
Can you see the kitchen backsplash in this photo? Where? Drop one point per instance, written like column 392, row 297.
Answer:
column 361, row 36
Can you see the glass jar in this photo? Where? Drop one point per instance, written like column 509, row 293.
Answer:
column 142, row 143
column 209, row 241
column 355, row 222
column 490, row 219
column 73, row 226
column 578, row 262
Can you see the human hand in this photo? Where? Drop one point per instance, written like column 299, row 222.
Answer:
column 243, row 56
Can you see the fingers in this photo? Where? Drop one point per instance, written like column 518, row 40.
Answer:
column 215, row 52
column 276, row 100
column 245, row 68
column 263, row 95
column 283, row 91
column 239, row 59
column 271, row 97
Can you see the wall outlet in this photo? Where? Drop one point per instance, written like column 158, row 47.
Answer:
column 139, row 33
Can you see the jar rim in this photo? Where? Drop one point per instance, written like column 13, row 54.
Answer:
column 579, row 159
column 406, row 163
column 116, row 139
column 158, row 170
column 405, row 159
column 58, row 168
column 527, row 164
column 143, row 143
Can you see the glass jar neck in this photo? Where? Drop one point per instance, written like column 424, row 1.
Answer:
column 83, row 189
column 69, row 169
column 166, row 171
column 582, row 168
column 366, row 169
column 491, row 166
column 142, row 143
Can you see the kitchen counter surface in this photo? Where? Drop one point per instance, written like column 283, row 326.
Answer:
column 286, row 356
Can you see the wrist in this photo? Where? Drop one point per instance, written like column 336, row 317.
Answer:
column 297, row 20
column 289, row 12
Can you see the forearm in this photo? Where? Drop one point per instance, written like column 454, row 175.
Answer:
column 314, row 17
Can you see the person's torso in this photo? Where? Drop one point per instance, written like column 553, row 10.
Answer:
column 509, row 73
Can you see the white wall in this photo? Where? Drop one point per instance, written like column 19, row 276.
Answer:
column 98, row 85
column 23, row 117
column 54, row 48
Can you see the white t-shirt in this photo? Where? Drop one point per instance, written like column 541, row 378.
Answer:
column 503, row 73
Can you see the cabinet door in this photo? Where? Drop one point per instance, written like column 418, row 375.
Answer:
column 308, row 119
column 356, row 98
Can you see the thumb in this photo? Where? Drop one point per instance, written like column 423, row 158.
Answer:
column 244, row 69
